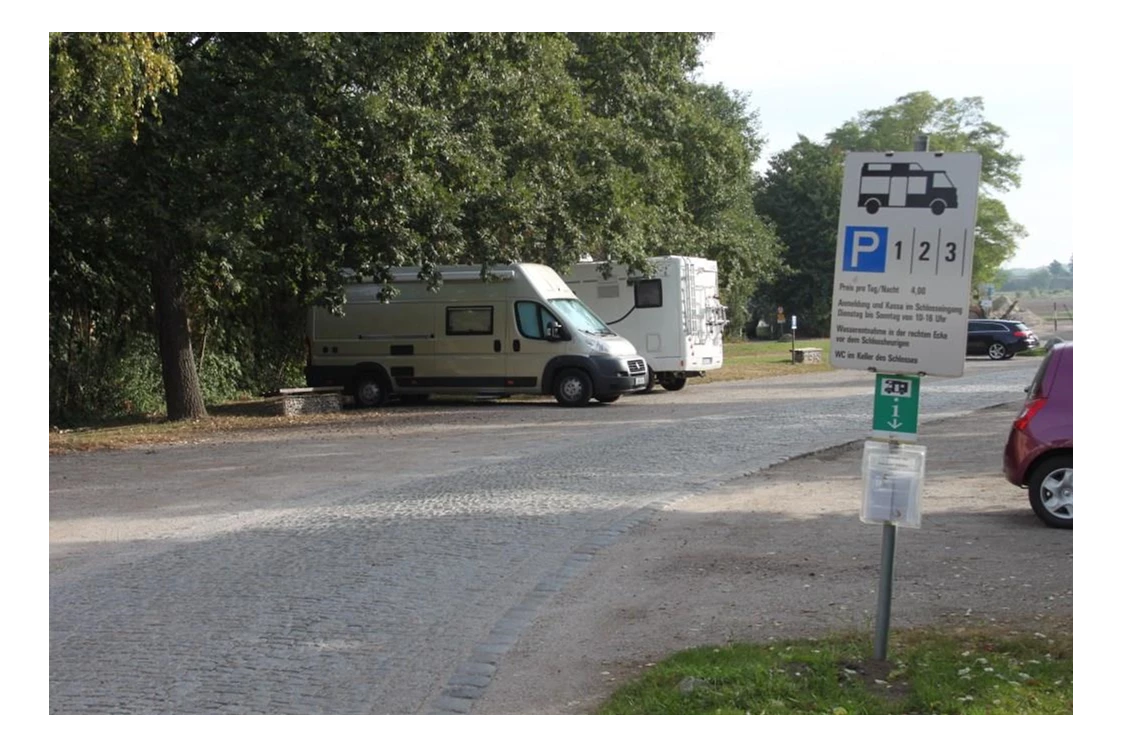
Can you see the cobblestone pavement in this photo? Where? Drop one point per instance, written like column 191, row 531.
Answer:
column 388, row 569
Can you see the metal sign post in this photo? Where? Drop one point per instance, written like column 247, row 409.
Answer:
column 902, row 292
column 893, row 478
column 885, row 591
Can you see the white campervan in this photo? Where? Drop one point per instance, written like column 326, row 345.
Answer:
column 522, row 330
column 673, row 316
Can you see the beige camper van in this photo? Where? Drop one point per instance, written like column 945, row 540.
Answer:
column 521, row 331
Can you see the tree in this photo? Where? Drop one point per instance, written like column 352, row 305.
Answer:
column 101, row 84
column 1040, row 279
column 102, row 87
column 283, row 160
column 953, row 125
column 1057, row 270
column 801, row 194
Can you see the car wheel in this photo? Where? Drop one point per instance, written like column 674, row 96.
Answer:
column 371, row 390
column 608, row 399
column 996, row 351
column 1050, row 491
column 573, row 388
column 673, row 383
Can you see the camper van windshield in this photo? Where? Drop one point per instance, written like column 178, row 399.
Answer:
column 579, row 316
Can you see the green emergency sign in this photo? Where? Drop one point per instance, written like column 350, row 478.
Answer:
column 896, row 405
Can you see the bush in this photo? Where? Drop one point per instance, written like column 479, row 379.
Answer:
column 94, row 379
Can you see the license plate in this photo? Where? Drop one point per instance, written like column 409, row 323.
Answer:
column 641, row 381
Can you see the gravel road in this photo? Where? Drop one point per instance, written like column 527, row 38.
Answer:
column 781, row 554
column 404, row 564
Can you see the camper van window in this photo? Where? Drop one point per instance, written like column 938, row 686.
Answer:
column 468, row 320
column 533, row 319
column 580, row 317
column 649, row 293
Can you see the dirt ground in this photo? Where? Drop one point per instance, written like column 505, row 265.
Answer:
column 782, row 554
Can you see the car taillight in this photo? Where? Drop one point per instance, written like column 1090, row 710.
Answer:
column 1028, row 412
column 1019, row 333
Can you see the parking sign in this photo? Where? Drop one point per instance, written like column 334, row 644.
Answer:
column 902, row 281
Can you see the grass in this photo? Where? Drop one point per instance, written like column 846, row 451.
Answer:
column 980, row 671
column 756, row 359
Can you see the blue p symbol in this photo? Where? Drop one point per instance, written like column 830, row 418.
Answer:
column 865, row 249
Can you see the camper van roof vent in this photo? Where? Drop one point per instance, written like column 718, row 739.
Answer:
column 450, row 276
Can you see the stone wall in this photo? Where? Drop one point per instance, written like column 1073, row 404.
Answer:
column 310, row 402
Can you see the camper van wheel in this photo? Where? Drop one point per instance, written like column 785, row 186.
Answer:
column 573, row 388
column 672, row 383
column 371, row 390
column 938, row 206
column 872, row 206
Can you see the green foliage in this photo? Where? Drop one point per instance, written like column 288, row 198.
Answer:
column 101, row 84
column 94, row 378
column 996, row 239
column 953, row 125
column 802, row 188
column 1058, row 270
column 800, row 195
column 1054, row 277
column 251, row 170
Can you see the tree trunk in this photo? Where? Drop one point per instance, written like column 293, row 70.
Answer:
column 182, row 394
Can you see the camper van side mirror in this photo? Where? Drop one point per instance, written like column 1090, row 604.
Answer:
column 555, row 331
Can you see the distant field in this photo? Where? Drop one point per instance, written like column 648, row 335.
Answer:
column 1043, row 306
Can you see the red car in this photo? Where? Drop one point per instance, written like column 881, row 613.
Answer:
column 1039, row 449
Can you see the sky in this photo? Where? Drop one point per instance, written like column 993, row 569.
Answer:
column 812, row 87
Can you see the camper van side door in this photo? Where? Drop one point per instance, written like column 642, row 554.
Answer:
column 531, row 344
column 469, row 346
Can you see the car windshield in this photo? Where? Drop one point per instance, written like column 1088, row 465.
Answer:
column 579, row 316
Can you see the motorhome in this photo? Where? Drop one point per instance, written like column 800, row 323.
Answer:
column 673, row 316
column 519, row 330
